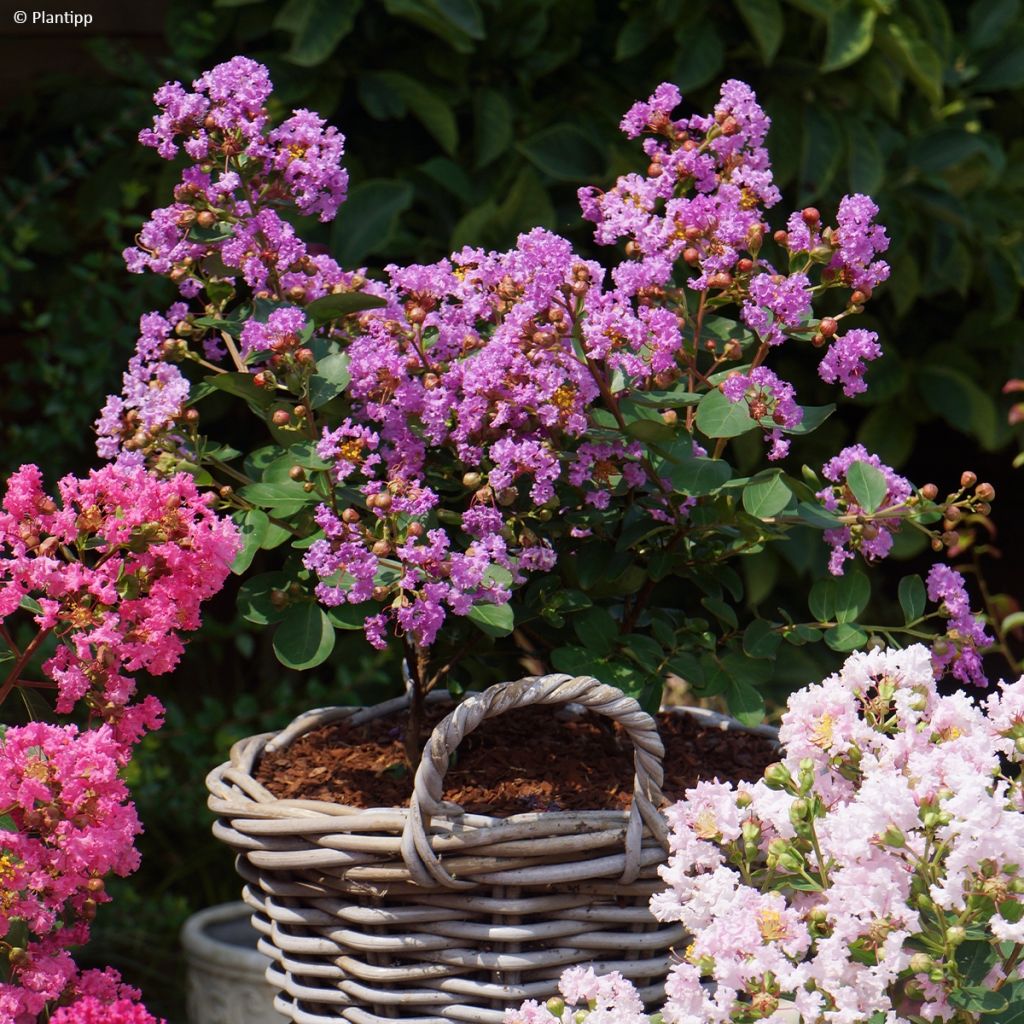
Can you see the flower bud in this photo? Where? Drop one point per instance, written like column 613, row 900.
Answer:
column 720, row 280
column 968, row 479
column 828, row 327
column 17, row 955
column 381, row 549
column 781, row 237
column 986, row 492
column 955, row 935
column 929, row 492
column 206, row 219
column 281, row 417
column 810, row 216
column 555, row 1006
column 691, row 256
column 472, row 480
column 507, row 496
column 921, row 963
column 777, row 776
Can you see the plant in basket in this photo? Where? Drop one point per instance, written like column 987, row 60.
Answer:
column 501, row 461
column 523, row 457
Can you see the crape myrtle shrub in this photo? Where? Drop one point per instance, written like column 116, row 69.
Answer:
column 470, row 119
column 467, row 123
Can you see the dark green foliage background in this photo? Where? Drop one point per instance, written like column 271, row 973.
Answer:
column 468, row 121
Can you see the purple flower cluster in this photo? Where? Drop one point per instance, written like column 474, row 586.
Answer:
column 964, row 632
column 503, row 372
column 767, row 397
column 873, row 537
column 846, row 358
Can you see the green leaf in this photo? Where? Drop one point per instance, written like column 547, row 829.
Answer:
column 352, row 616
column 330, row 380
column 816, row 516
column 901, row 39
column 638, row 32
column 949, row 393
column 912, row 597
column 331, row 307
column 252, row 527
column 687, row 667
column 845, row 637
column 767, row 497
column 440, row 17
column 242, row 386
column 650, row 431
column 578, row 661
column 974, row 959
column 305, row 637
column 761, row 639
column 867, row 484
column 812, row 417
column 767, row 25
column 425, row 105
column 254, row 603
column 494, row 129
column 596, row 630
column 822, row 600
column 721, row 611
column 744, row 702
column 718, row 417
column 989, row 20
column 1014, row 1012
column 564, row 152
column 492, row 619
column 1005, row 71
column 851, row 29
column 700, row 54
column 694, row 477
column 821, row 154
column 285, row 497
column 30, row 604
column 864, row 161
column 366, row 223
column 465, row 15
column 317, row 26
column 851, row 593
column 978, row 999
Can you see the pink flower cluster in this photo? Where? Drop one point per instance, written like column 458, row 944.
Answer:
column 115, row 574
column 843, row 884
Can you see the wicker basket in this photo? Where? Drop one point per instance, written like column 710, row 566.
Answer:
column 429, row 914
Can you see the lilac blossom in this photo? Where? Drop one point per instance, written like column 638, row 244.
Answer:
column 777, row 302
column 859, row 240
column 309, row 158
column 965, row 633
column 846, row 359
column 767, row 397
column 874, row 539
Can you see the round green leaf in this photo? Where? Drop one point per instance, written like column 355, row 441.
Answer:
column 305, row 637
column 492, row 619
column 867, row 484
column 718, row 417
column 765, row 498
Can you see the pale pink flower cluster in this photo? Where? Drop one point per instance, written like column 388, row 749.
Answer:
column 843, row 884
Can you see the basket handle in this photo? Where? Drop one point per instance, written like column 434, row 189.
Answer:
column 421, row 860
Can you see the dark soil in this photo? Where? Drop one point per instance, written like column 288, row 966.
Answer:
column 526, row 760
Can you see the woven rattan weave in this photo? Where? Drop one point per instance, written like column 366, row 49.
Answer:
column 428, row 914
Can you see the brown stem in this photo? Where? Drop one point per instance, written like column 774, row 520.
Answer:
column 12, row 679
column 691, row 411
column 9, row 640
column 416, row 659
column 229, row 343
